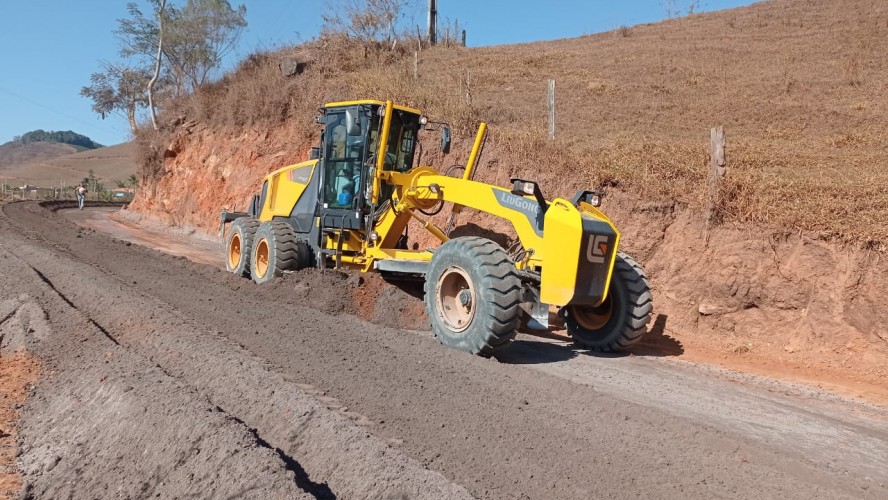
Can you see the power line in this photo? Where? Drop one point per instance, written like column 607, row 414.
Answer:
column 60, row 113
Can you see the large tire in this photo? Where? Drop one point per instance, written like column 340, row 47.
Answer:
column 275, row 250
column 473, row 296
column 239, row 245
column 623, row 317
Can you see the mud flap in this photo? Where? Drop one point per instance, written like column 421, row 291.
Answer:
column 227, row 217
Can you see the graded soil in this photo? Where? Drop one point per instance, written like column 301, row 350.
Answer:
column 294, row 400
column 735, row 335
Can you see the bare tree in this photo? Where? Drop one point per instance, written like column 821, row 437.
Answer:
column 200, row 35
column 118, row 89
column 367, row 20
column 196, row 37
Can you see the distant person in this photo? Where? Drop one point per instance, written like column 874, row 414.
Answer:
column 81, row 195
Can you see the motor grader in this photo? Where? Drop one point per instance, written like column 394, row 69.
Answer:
column 350, row 205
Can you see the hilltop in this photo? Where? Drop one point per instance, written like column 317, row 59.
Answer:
column 64, row 137
column 38, row 146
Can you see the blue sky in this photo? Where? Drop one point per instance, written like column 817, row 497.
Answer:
column 49, row 48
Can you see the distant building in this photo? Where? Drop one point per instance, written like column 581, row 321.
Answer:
column 118, row 194
column 36, row 192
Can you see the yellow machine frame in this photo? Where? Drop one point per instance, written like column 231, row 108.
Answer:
column 554, row 253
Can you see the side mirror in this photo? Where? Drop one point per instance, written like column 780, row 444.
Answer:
column 352, row 122
column 445, row 139
column 315, row 153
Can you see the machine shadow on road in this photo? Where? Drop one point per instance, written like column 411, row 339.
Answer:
column 656, row 342
column 528, row 351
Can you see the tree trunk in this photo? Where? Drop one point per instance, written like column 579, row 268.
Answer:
column 156, row 64
column 131, row 114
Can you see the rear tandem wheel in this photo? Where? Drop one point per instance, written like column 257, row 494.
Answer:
column 275, row 250
column 239, row 245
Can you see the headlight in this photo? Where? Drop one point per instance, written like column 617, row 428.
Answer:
column 595, row 200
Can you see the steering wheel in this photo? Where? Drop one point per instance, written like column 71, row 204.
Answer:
column 390, row 160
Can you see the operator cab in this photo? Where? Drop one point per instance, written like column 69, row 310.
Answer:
column 349, row 153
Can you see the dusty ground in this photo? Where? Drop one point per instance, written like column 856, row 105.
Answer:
column 17, row 372
column 850, row 371
column 167, row 376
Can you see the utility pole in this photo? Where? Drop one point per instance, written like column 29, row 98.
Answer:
column 433, row 22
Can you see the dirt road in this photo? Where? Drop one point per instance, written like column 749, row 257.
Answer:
column 163, row 376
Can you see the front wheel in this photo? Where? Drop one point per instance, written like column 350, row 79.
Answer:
column 621, row 320
column 473, row 296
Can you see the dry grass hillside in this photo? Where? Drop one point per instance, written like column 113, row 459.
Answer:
column 67, row 166
column 15, row 154
column 800, row 86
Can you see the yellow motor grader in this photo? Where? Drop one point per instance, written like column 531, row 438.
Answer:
column 349, row 207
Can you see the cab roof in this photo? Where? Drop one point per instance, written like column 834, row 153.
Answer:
column 370, row 102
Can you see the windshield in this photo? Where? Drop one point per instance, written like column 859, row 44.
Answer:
column 343, row 154
column 348, row 157
column 401, row 141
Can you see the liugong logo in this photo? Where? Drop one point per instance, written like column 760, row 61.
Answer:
column 597, row 249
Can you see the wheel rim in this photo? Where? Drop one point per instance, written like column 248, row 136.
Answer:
column 234, row 251
column 261, row 258
column 455, row 299
column 593, row 317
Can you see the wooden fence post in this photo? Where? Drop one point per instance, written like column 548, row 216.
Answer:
column 551, row 107
column 717, row 167
column 415, row 65
column 468, row 82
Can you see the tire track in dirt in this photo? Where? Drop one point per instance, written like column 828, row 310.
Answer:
column 278, row 415
column 18, row 371
column 302, row 480
column 103, row 422
column 502, row 431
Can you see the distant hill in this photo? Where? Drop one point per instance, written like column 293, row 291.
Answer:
column 40, row 146
column 64, row 137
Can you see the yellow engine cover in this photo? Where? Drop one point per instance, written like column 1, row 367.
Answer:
column 283, row 188
column 580, row 249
